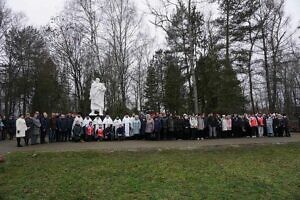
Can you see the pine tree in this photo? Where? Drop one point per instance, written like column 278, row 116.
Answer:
column 184, row 38
column 49, row 95
column 230, row 22
column 208, row 73
column 151, row 90
column 173, row 88
column 231, row 97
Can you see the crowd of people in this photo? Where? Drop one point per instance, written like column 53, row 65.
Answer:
column 156, row 126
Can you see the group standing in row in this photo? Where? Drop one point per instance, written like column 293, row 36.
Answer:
column 155, row 126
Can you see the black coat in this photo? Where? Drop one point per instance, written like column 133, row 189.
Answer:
column 143, row 125
column 157, row 124
column 45, row 124
column 29, row 124
column 186, row 123
column 212, row 121
column 77, row 131
column 62, row 124
column 171, row 124
column 285, row 122
column 164, row 123
column 276, row 123
column 179, row 124
column 235, row 122
column 5, row 121
column 11, row 124
column 70, row 121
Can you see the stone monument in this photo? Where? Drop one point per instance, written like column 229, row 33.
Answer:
column 97, row 97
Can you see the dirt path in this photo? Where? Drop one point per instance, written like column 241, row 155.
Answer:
column 10, row 146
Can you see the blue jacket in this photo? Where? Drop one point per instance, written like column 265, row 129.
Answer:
column 136, row 127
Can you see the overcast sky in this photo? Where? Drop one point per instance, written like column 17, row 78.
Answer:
column 39, row 12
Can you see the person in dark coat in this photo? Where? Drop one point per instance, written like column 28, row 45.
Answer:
column 171, row 127
column 276, row 125
column 265, row 125
column 285, row 123
column 236, row 126
column 143, row 126
column 77, row 132
column 186, row 127
column 179, row 127
column 53, row 128
column 45, row 127
column 240, row 124
column 206, row 129
column 246, row 126
column 4, row 128
column 164, row 124
column 62, row 125
column 157, row 127
column 11, row 127
column 212, row 123
column 280, row 125
column 70, row 120
column 29, row 124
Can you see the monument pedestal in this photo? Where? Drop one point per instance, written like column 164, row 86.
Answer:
column 94, row 115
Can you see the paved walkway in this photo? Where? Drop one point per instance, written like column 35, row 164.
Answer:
column 10, row 146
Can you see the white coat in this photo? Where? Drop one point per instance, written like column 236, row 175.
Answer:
column 229, row 124
column 117, row 124
column 78, row 120
column 224, row 124
column 126, row 122
column 21, row 128
column 107, row 122
column 97, row 122
column 86, row 122
column 193, row 122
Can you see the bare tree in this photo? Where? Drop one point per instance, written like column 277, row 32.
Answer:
column 138, row 74
column 122, row 25
column 66, row 41
column 275, row 42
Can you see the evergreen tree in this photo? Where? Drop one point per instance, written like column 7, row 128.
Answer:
column 184, row 38
column 151, row 90
column 173, row 88
column 49, row 95
column 25, row 48
column 230, row 23
column 208, row 73
column 231, row 97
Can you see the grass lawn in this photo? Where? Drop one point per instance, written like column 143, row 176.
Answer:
column 253, row 172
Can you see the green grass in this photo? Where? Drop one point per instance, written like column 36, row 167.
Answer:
column 255, row 172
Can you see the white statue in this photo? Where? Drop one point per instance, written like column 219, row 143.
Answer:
column 97, row 97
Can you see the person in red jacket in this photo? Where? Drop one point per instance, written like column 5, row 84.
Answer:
column 99, row 134
column 260, row 121
column 253, row 124
column 89, row 132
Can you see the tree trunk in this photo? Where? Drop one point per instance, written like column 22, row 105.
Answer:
column 274, row 86
column 251, row 85
column 266, row 67
column 192, row 59
column 227, row 58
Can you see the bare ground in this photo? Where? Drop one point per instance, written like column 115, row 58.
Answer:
column 10, row 146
